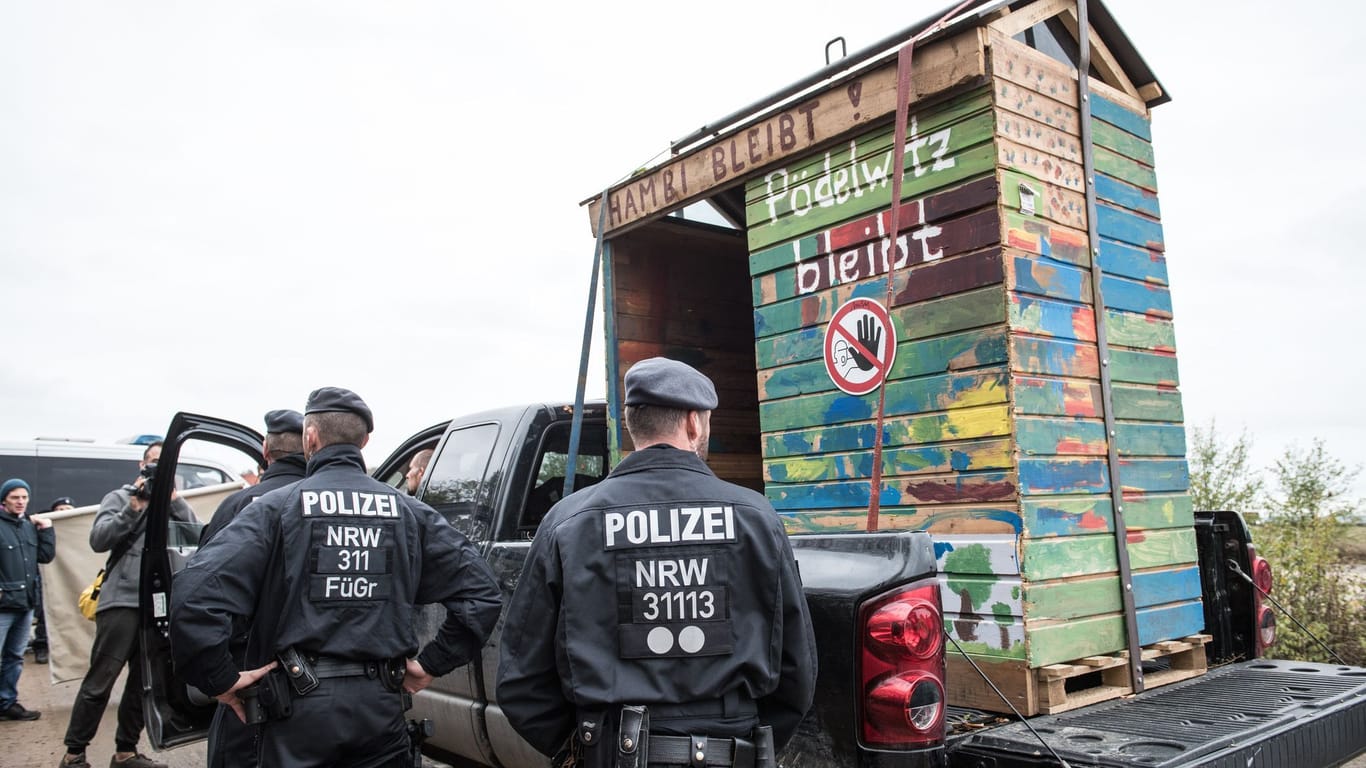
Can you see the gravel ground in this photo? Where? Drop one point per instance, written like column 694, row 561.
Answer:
column 38, row 744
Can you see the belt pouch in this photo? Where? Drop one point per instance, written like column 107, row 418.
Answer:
column 391, row 673
column 744, row 753
column 633, row 747
column 251, row 704
column 764, row 756
column 301, row 674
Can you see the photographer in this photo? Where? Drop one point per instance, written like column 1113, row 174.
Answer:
column 118, row 528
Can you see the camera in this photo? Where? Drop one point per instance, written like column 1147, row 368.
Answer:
column 148, row 473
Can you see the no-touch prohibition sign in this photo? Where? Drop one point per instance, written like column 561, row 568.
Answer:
column 860, row 345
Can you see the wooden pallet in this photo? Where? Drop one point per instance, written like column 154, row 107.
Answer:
column 1045, row 690
column 1186, row 657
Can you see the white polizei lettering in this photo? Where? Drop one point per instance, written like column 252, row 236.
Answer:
column 309, row 498
column 645, row 573
column 369, row 505
column 694, row 570
column 636, row 525
column 657, row 536
column 352, row 503
column 614, row 523
column 668, row 573
column 690, row 532
column 716, row 522
column 730, row 523
column 327, row 502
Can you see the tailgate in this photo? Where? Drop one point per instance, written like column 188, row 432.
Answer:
column 1265, row 713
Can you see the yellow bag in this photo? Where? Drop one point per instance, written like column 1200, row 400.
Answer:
column 89, row 600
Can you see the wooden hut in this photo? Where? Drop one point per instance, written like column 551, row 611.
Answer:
column 1031, row 419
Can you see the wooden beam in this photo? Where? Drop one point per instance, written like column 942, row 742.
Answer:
column 1024, row 18
column 857, row 102
column 1150, row 92
column 1104, row 61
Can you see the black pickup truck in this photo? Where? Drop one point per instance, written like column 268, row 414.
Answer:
column 875, row 603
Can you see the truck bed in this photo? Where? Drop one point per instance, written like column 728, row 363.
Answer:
column 1256, row 713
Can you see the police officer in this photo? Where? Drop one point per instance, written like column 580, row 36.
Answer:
column 327, row 572
column 704, row 645
column 231, row 742
column 285, row 464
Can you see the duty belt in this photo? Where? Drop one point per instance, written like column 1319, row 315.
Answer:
column 700, row 751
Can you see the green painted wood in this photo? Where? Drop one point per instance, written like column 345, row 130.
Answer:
column 1141, row 403
column 1151, row 511
column 1134, row 367
column 946, row 114
column 1056, row 204
column 1121, row 142
column 1140, row 439
column 1062, row 557
column 959, row 457
column 777, row 345
column 840, row 237
column 908, row 396
column 1124, row 169
column 1038, row 436
column 957, row 424
column 1144, row 332
column 1067, row 641
column 1054, row 357
column 1038, row 396
column 917, row 357
column 1044, row 516
column 1045, row 238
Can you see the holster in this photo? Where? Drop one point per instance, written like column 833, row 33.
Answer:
column 391, row 674
column 269, row 699
column 764, row 754
column 633, row 737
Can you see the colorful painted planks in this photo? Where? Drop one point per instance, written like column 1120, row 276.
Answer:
column 1045, row 516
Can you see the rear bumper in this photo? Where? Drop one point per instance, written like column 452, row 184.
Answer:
column 1266, row 713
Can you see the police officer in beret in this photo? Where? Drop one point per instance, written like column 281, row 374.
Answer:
column 231, row 742
column 285, row 464
column 327, row 572
column 703, row 653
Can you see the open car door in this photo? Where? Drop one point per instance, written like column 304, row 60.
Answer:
column 176, row 713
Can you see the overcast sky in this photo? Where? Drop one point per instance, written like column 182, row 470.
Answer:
column 217, row 207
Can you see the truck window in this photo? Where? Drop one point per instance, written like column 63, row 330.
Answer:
column 456, row 478
column 547, row 486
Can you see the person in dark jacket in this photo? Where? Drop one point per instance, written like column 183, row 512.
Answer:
column 661, row 587
column 232, row 743
column 327, row 572
column 119, row 525
column 285, row 464
column 24, row 543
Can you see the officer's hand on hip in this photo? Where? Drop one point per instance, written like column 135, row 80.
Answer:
column 244, row 678
column 416, row 678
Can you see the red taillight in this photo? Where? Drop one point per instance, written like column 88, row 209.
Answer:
column 901, row 668
column 1265, row 618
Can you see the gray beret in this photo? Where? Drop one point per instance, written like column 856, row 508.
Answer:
column 661, row 381
column 336, row 399
column 284, row 421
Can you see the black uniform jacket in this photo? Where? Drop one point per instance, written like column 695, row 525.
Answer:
column 281, row 472
column 22, row 547
column 660, row 585
column 333, row 565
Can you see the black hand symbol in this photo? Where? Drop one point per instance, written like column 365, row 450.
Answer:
column 870, row 338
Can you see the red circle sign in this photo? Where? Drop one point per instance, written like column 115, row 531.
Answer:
column 860, row 345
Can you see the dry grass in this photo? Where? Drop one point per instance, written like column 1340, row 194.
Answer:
column 1354, row 544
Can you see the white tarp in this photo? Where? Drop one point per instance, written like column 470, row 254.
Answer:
column 69, row 634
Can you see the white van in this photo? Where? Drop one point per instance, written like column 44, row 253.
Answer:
column 86, row 471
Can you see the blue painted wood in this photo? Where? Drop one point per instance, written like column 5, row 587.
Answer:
column 1051, row 278
column 1044, row 476
column 1119, row 224
column 1166, row 622
column 964, row 487
column 1154, row 475
column 1052, row 318
column 1125, row 260
column 1132, row 296
column 1168, row 586
column 1054, row 357
column 1114, row 114
column 1113, row 190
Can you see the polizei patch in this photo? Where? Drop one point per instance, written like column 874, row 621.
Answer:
column 349, row 503
column 674, row 525
column 350, row 559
